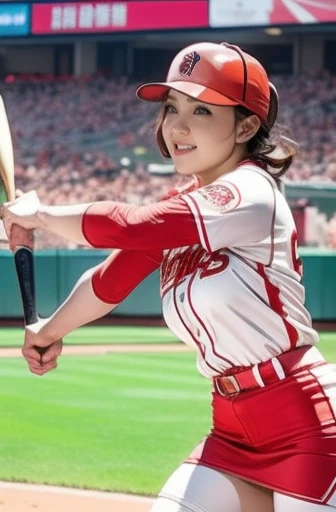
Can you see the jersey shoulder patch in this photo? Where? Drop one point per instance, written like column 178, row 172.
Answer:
column 224, row 196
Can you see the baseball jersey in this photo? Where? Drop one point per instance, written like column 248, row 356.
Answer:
column 230, row 273
column 237, row 296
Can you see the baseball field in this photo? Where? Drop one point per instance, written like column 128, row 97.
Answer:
column 123, row 409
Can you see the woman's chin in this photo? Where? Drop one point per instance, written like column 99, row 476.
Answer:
column 186, row 171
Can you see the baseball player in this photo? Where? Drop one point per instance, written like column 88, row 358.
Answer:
column 231, row 288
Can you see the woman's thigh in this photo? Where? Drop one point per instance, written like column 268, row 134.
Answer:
column 194, row 488
column 284, row 503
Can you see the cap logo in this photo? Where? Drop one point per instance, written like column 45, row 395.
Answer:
column 189, row 62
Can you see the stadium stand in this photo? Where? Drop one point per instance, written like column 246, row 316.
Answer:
column 90, row 138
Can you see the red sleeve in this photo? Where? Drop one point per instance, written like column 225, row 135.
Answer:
column 164, row 225
column 121, row 273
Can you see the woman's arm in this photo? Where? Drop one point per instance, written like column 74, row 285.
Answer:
column 163, row 225
column 98, row 291
column 108, row 224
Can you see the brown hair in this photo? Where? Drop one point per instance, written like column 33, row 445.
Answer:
column 159, row 135
column 274, row 153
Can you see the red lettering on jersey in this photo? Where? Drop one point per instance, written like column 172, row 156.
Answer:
column 296, row 260
column 215, row 265
column 178, row 264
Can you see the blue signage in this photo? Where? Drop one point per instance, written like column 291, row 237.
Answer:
column 14, row 20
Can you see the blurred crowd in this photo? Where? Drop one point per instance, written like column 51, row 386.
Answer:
column 90, row 138
column 308, row 110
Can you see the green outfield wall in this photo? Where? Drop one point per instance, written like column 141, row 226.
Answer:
column 58, row 270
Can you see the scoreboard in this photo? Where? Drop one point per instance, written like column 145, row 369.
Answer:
column 118, row 16
column 38, row 18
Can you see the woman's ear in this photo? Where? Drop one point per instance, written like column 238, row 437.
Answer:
column 247, row 128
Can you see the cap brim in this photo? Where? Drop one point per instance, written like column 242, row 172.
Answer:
column 157, row 92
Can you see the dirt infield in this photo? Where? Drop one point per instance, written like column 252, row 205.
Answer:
column 16, row 497
column 39, row 498
column 107, row 349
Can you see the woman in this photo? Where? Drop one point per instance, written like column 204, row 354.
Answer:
column 230, row 286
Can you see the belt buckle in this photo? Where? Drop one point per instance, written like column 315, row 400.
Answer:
column 232, row 379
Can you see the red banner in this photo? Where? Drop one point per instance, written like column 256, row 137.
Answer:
column 118, row 16
column 231, row 13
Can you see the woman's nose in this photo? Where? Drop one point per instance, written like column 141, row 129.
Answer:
column 180, row 127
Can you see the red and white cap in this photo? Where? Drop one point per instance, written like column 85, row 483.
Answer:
column 218, row 74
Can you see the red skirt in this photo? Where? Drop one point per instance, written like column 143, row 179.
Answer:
column 281, row 436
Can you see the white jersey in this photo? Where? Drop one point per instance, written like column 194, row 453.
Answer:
column 237, row 298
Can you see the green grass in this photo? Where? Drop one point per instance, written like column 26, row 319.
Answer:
column 119, row 422
column 106, row 335
column 13, row 336
column 327, row 345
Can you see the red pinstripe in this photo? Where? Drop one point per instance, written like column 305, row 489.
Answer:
column 202, row 323
column 273, row 294
column 204, row 233
column 200, row 345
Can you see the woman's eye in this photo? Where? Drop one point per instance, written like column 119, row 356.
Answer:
column 170, row 109
column 202, row 111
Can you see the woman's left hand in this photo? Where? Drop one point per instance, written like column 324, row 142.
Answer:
column 40, row 351
column 47, row 361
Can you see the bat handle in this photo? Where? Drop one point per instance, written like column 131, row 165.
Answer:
column 24, row 264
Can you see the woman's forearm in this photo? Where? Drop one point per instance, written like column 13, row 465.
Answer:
column 81, row 306
column 108, row 224
column 100, row 290
column 113, row 225
column 65, row 221
column 163, row 225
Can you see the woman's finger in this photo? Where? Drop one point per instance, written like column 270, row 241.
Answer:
column 31, row 353
column 19, row 236
column 53, row 352
column 42, row 370
column 33, row 362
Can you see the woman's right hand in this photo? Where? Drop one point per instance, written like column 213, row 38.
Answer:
column 23, row 212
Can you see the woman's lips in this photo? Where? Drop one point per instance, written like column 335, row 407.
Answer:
column 183, row 149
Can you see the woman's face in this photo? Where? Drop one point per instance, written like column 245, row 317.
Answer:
column 201, row 138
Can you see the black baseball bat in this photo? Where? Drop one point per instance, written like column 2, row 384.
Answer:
column 23, row 255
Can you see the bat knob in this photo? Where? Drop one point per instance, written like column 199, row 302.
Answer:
column 41, row 350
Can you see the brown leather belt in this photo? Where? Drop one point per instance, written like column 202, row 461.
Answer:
column 268, row 372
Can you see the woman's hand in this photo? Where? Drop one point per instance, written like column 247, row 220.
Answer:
column 23, row 212
column 40, row 350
